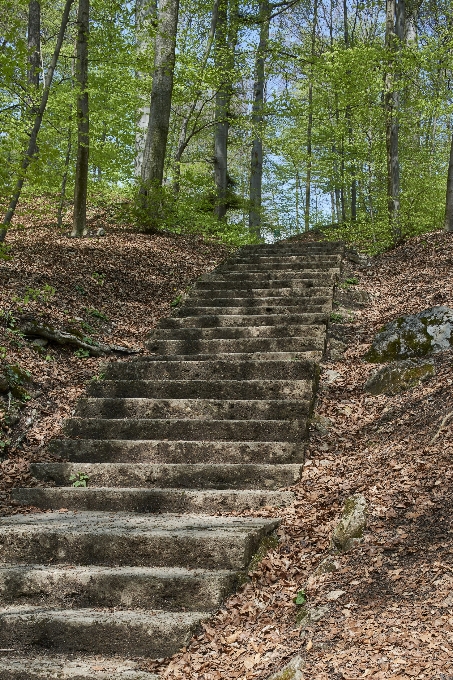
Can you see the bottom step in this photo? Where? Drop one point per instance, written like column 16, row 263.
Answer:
column 69, row 668
column 128, row 633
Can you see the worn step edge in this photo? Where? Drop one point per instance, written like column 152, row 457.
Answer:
column 128, row 539
column 59, row 667
column 176, row 452
column 171, row 475
column 201, row 430
column 171, row 589
column 213, row 389
column 126, row 499
column 138, row 408
column 129, row 633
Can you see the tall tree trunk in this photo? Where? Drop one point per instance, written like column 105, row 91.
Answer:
column 34, row 42
column 449, row 201
column 145, row 17
column 31, row 148
column 161, row 95
column 310, row 121
column 79, row 227
column 227, row 30
column 256, row 161
column 394, row 32
column 349, row 118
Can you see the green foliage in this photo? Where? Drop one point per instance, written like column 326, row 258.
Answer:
column 92, row 311
column 99, row 278
column 81, row 353
column 79, row 479
column 336, row 317
column 36, row 294
column 300, row 598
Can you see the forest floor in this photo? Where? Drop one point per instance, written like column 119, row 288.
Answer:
column 388, row 609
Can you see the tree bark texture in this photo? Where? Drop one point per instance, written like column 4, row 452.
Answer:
column 34, row 42
column 31, row 148
column 310, row 122
column 145, row 18
column 83, row 121
column 161, row 95
column 226, row 39
column 449, row 201
column 394, row 34
column 256, row 162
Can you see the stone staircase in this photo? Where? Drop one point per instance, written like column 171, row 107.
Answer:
column 214, row 422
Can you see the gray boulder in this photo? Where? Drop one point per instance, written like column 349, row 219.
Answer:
column 349, row 530
column 413, row 335
column 399, row 376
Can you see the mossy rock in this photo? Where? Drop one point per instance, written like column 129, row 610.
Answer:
column 292, row 671
column 349, row 530
column 399, row 376
column 14, row 379
column 412, row 336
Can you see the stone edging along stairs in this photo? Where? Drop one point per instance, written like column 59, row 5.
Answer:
column 213, row 422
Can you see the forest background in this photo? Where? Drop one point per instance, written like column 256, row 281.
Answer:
column 238, row 120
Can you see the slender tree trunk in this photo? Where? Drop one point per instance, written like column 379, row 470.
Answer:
column 393, row 34
column 256, row 161
column 161, row 96
column 310, row 122
column 64, row 180
column 449, row 201
column 34, row 42
column 349, row 119
column 226, row 39
column 145, row 16
column 31, row 149
column 79, row 227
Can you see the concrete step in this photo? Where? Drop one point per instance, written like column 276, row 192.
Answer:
column 218, row 282
column 239, row 345
column 128, row 633
column 295, row 246
column 270, row 259
column 171, row 475
column 171, row 588
column 232, row 333
column 262, row 278
column 247, row 301
column 62, row 667
column 196, row 409
column 202, row 389
column 312, row 355
column 128, row 539
column 296, row 292
column 187, row 429
column 213, row 369
column 178, row 451
column 255, row 309
column 278, row 266
column 248, row 320
column 103, row 499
